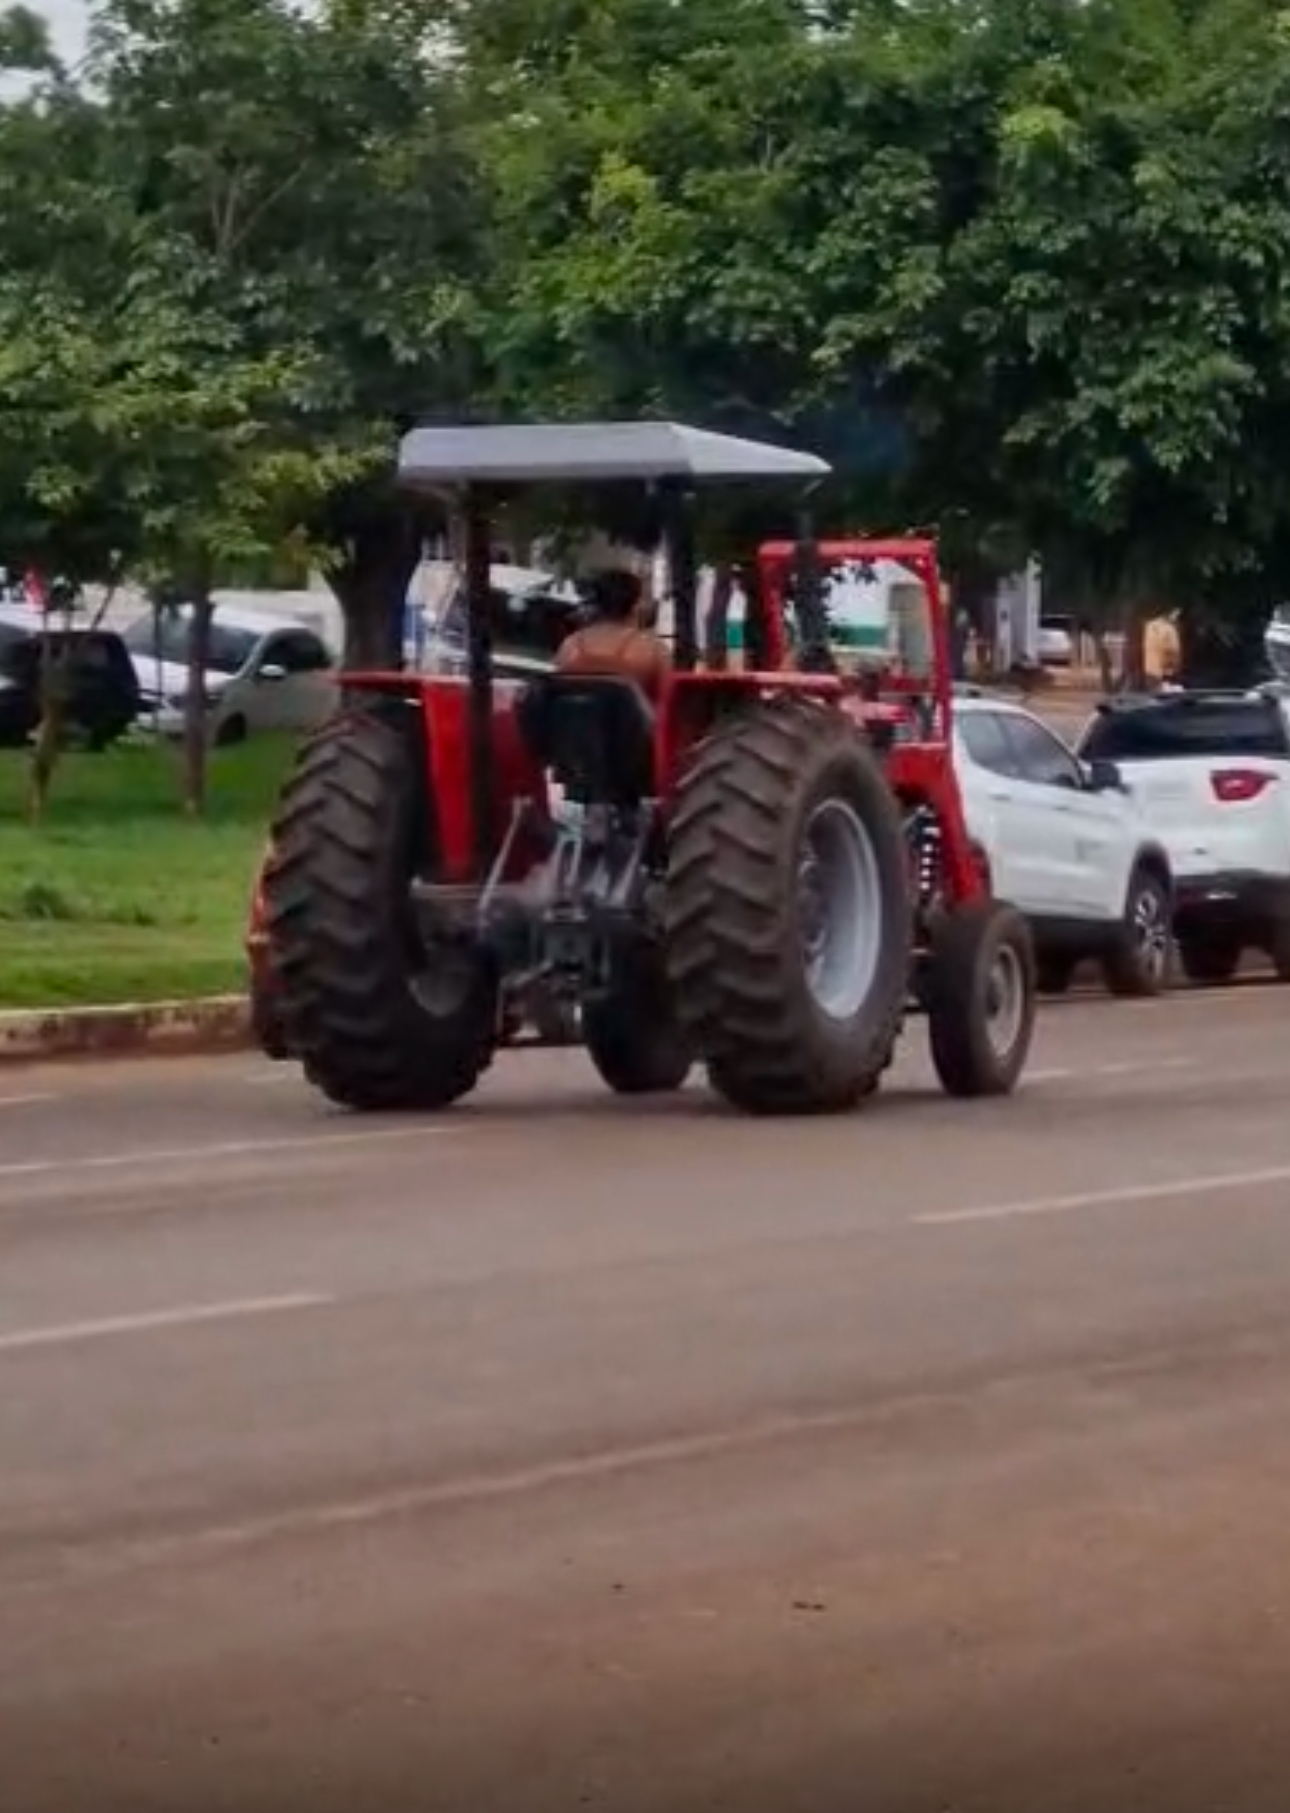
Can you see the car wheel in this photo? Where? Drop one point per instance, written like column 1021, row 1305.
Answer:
column 1208, row 961
column 231, row 731
column 1279, row 949
column 1055, row 974
column 1137, row 964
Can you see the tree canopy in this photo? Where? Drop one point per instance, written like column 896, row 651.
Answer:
column 1019, row 271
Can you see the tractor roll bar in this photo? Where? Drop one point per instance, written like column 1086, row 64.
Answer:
column 476, row 466
column 677, row 509
column 816, row 654
column 478, row 563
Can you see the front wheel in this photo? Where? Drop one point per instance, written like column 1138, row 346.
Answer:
column 1210, row 961
column 631, row 1030
column 981, row 998
column 1137, row 964
column 1279, row 950
column 231, row 732
column 1055, row 975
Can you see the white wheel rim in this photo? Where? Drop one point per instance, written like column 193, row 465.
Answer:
column 1151, row 933
column 1005, row 1001
column 839, row 910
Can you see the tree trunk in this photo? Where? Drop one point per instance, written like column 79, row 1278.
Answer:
column 51, row 733
column 196, row 728
column 1133, row 661
column 1105, row 664
column 56, row 682
column 371, row 585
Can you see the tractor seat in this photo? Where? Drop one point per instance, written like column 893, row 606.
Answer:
column 594, row 732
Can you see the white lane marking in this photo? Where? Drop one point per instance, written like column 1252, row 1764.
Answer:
column 60, row 1334
column 1134, row 1067
column 233, row 1148
column 1099, row 1199
column 25, row 1101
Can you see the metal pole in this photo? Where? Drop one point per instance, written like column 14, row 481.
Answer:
column 479, row 677
column 814, row 655
column 678, row 539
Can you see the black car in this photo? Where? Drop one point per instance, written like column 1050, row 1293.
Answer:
column 103, row 687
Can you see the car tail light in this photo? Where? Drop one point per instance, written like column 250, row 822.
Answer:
column 1233, row 785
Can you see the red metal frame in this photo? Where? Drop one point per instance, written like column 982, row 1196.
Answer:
column 920, row 767
column 776, row 561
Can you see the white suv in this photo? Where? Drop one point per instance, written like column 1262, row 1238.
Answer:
column 1212, row 772
column 1066, row 845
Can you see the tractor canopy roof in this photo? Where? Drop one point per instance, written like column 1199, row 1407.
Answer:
column 592, row 452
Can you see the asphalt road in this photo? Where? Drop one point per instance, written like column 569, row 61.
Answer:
column 555, row 1455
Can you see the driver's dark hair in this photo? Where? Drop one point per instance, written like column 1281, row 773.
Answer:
column 613, row 595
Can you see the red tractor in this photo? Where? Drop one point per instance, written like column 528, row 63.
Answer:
column 764, row 868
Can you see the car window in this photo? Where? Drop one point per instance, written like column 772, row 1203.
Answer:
column 983, row 737
column 1038, row 755
column 297, row 651
column 230, row 647
column 14, row 663
column 93, row 652
column 1188, row 727
column 533, row 624
column 529, row 624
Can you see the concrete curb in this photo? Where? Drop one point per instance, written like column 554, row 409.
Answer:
column 154, row 1028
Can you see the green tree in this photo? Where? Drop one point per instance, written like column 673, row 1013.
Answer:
column 148, row 417
column 300, row 186
column 1016, row 269
column 1035, row 248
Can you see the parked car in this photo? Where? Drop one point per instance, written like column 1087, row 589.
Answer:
column 1276, row 641
column 1064, row 843
column 1056, row 641
column 103, row 698
column 530, row 616
column 1212, row 772
column 263, row 672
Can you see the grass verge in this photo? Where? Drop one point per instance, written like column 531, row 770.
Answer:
column 118, row 896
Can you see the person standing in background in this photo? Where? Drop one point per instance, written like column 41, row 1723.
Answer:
column 1162, row 649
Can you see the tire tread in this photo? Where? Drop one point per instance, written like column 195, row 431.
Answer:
column 332, row 890
column 725, row 913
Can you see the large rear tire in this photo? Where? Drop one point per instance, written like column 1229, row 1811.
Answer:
column 788, row 911
column 981, row 998
column 632, row 1033
column 268, row 1029
column 379, row 1018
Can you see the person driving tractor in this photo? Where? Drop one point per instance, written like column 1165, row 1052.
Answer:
column 615, row 640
